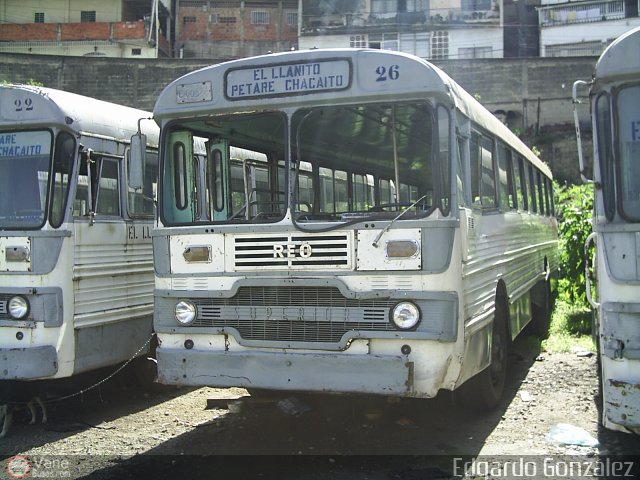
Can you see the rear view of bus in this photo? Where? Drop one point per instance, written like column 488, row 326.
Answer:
column 76, row 271
column 615, row 105
column 343, row 221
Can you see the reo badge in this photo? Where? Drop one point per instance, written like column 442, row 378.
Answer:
column 289, row 251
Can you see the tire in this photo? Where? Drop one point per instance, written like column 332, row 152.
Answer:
column 484, row 391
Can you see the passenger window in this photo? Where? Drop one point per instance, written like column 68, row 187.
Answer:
column 505, row 175
column 517, row 180
column 107, row 195
column 605, row 153
column 141, row 201
column 533, row 208
column 540, row 192
column 482, row 172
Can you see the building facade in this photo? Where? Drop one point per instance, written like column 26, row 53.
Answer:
column 583, row 27
column 235, row 29
column 112, row 28
column 432, row 29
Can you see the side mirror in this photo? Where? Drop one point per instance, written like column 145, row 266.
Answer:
column 136, row 160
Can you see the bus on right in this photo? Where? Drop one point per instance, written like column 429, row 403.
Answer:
column 614, row 95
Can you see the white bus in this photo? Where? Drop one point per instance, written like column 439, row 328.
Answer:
column 382, row 233
column 615, row 102
column 76, row 263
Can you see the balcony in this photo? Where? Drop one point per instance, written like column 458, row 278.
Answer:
column 351, row 22
column 583, row 12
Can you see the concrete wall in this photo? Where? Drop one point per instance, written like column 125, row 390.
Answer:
column 533, row 95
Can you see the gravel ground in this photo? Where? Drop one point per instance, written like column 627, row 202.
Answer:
column 123, row 431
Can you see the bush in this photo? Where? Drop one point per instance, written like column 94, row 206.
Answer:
column 574, row 206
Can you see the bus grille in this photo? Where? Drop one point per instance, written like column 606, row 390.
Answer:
column 296, row 314
column 4, row 314
column 292, row 251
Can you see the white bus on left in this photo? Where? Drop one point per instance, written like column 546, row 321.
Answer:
column 76, row 268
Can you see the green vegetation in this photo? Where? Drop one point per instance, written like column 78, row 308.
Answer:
column 570, row 328
column 31, row 82
column 571, row 319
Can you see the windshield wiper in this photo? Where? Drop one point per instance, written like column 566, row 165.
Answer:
column 386, row 229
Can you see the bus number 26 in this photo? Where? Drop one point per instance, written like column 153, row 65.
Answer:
column 387, row 73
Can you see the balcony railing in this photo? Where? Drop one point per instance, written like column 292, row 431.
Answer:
column 586, row 12
column 352, row 21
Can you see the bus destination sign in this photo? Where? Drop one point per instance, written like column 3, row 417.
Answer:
column 288, row 79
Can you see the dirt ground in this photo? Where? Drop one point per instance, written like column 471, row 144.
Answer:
column 123, row 431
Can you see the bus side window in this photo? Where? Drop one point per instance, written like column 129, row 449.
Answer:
column 505, row 176
column 474, row 162
column 141, row 201
column 517, row 181
column 538, row 176
column 522, row 185
column 463, row 199
column 62, row 168
column 604, row 144
column 533, row 208
column 547, row 206
column 108, row 192
column 483, row 180
column 551, row 198
column 443, row 158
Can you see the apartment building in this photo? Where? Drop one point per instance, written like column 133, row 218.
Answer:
column 110, row 28
column 583, row 27
column 433, row 29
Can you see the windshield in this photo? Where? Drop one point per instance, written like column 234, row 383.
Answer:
column 349, row 163
column 628, row 100
column 373, row 160
column 24, row 174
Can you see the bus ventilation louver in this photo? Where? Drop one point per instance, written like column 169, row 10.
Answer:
column 304, row 314
column 4, row 314
column 292, row 251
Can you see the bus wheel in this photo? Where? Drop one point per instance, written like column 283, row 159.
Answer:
column 484, row 391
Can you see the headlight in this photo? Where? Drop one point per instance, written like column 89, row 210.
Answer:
column 18, row 307
column 185, row 312
column 405, row 315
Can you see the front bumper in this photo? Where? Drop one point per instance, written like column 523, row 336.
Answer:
column 325, row 372
column 28, row 363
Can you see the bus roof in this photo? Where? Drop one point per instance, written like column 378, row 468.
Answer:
column 25, row 105
column 621, row 59
column 322, row 77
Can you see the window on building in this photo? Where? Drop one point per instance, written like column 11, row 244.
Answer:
column 39, row 17
column 260, row 17
column 384, row 41
column 88, row 16
column 476, row 5
column 440, row 45
column 415, row 43
column 475, row 52
column 227, row 20
column 188, row 19
column 291, row 18
column 136, row 51
column 358, row 41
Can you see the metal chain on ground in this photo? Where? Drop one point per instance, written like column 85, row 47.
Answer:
column 106, row 379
